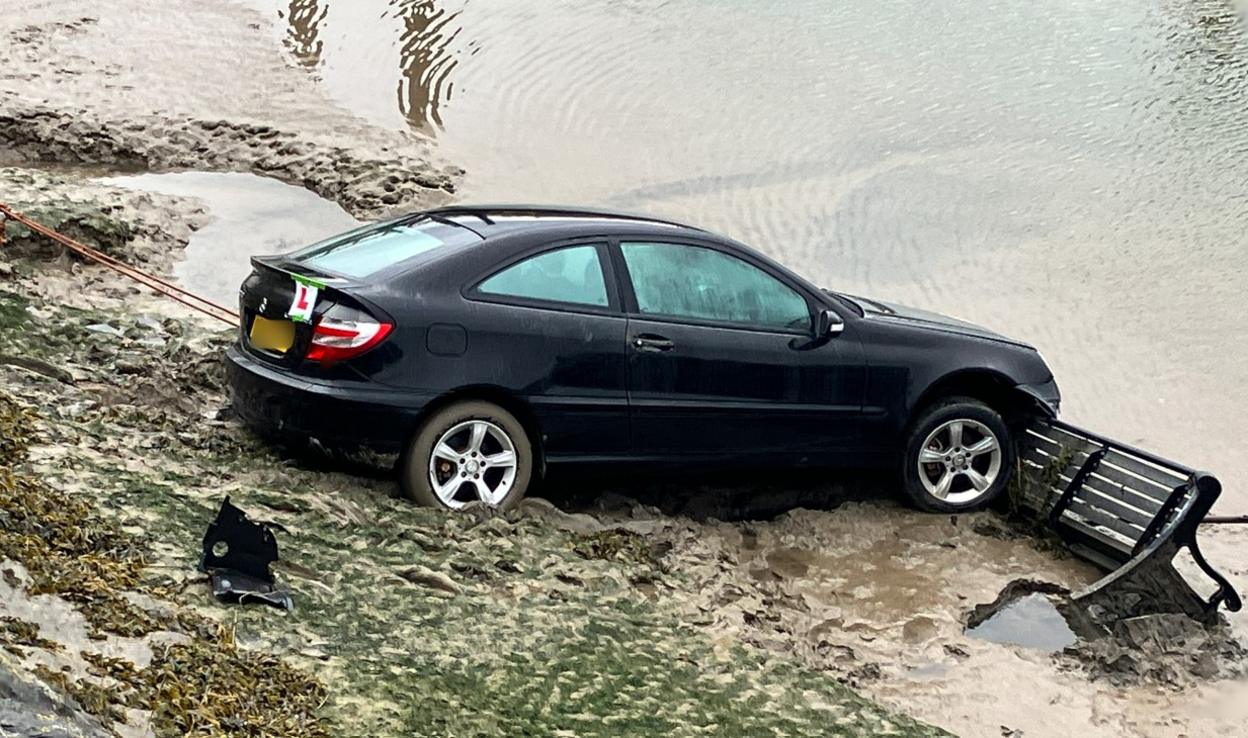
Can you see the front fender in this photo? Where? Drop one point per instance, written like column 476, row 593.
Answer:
column 1047, row 397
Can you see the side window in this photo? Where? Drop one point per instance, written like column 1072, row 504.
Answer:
column 694, row 282
column 572, row 275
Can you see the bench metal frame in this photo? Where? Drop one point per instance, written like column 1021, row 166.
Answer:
column 1127, row 511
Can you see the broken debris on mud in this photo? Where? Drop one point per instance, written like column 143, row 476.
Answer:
column 237, row 554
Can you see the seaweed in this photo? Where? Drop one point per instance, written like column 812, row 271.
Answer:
column 203, row 686
column 16, row 633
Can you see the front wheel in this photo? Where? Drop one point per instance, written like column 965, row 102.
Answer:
column 470, row 451
column 958, row 456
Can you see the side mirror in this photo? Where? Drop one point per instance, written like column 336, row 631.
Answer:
column 828, row 323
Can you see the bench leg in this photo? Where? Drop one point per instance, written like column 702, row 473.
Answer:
column 1149, row 585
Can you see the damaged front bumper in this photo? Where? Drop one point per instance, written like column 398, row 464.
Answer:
column 1048, row 398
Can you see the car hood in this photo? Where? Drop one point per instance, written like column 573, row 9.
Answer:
column 877, row 310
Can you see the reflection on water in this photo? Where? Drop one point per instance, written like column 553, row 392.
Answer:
column 303, row 39
column 1032, row 621
column 408, row 45
column 425, row 60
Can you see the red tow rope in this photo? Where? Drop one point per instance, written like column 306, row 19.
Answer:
column 161, row 286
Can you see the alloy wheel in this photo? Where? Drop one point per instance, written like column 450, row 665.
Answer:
column 960, row 461
column 473, row 460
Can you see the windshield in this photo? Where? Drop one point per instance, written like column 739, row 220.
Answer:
column 364, row 251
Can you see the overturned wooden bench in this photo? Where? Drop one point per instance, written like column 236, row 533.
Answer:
column 1127, row 511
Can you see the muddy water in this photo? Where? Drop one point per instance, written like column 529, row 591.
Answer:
column 1032, row 622
column 250, row 215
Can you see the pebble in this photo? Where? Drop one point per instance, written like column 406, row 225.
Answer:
column 106, row 329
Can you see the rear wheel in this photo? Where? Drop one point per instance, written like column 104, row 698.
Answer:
column 958, row 456
column 466, row 452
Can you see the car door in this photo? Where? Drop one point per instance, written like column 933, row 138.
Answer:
column 722, row 360
column 547, row 326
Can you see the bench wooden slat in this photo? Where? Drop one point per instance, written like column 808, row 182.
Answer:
column 1146, row 487
column 1068, row 439
column 1052, row 447
column 1121, row 501
column 1160, row 475
column 1111, row 540
column 1113, row 506
column 1150, row 496
column 1139, row 467
column 1098, row 517
column 1125, row 495
column 1043, row 459
column 1102, row 495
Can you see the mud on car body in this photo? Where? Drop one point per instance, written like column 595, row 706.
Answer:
column 484, row 344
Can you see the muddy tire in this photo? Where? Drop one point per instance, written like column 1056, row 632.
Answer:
column 958, row 456
column 468, row 451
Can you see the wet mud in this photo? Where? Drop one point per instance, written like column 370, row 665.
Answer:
column 247, row 215
column 76, row 89
column 366, row 186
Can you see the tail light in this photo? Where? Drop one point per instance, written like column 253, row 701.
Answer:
column 343, row 333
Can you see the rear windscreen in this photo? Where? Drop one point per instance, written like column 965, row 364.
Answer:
column 372, row 248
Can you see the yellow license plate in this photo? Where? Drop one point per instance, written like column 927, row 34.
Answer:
column 272, row 335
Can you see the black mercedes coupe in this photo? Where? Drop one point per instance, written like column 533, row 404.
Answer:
column 485, row 344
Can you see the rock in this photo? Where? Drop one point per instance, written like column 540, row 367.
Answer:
column 124, row 366
column 536, row 507
column 431, row 579
column 1168, row 649
column 26, row 709
column 507, row 566
column 37, row 366
column 106, row 329
column 919, row 630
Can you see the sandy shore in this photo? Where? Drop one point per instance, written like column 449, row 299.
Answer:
column 180, row 85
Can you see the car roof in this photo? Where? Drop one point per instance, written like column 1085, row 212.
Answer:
column 489, row 221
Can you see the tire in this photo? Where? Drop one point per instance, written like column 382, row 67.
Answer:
column 454, row 429
column 974, row 479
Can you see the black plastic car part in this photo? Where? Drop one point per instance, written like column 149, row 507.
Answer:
column 236, row 556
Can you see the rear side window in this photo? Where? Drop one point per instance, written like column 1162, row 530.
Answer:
column 572, row 275
column 695, row 282
column 370, row 249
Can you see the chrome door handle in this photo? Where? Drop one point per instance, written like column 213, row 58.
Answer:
column 652, row 343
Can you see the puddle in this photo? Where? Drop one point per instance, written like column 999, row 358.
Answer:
column 1032, row 621
column 251, row 215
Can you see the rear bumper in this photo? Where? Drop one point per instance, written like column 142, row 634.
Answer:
column 344, row 416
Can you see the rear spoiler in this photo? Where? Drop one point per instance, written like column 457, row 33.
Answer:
column 1128, row 511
